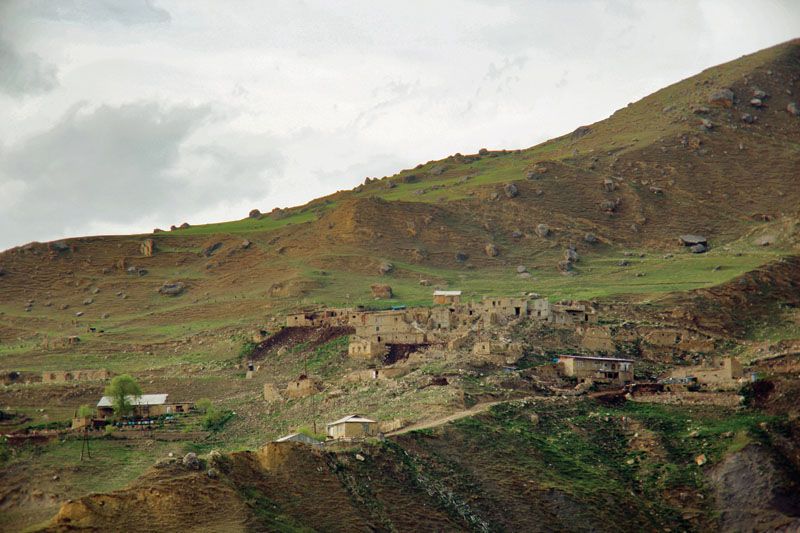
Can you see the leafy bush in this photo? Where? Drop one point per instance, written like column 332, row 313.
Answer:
column 215, row 418
column 203, row 405
column 85, row 410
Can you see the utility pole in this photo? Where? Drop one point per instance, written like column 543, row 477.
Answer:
column 85, row 443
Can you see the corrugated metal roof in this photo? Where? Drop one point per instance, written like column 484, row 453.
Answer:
column 447, row 293
column 144, row 399
column 351, row 418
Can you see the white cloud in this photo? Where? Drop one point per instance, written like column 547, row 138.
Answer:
column 263, row 104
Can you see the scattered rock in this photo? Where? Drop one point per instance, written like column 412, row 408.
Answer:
column 191, row 461
column 438, row 170
column 58, row 246
column 245, row 244
column 793, row 109
column 690, row 239
column 756, row 102
column 765, row 240
column 88, row 301
column 609, row 185
column 701, row 459
column 79, row 314
column 707, row 124
column 360, row 457
column 212, row 473
column 571, row 255
column 208, row 251
column 581, row 131
column 254, row 213
column 698, row 249
column 461, row 256
column 542, row 230
column 185, row 225
column 385, row 268
column 565, row 266
column 658, row 191
column 494, row 196
column 381, row 290
column 510, row 190
column 722, row 98
column 701, row 110
column 610, row 206
column 524, row 275
column 491, row 250
column 758, row 93
column 147, row 247
column 172, row 288
column 748, row 118
column 591, row 238
column 104, row 316
column 521, row 269
column 425, row 282
column 516, row 234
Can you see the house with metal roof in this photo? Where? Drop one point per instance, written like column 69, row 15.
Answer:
column 299, row 437
column 145, row 405
column 352, row 427
column 600, row 369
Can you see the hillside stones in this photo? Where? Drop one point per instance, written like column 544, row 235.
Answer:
column 382, row 291
column 609, row 185
column 510, row 190
column 147, row 248
column 522, row 269
column 254, row 213
column 210, row 250
column 698, row 248
column 385, row 268
column 591, row 238
column 542, row 230
column 793, row 109
column 747, row 118
column 516, row 234
column 191, row 461
column 461, row 256
column 174, row 288
column 722, row 98
column 571, row 255
column 491, row 250
column 58, row 247
column 756, row 102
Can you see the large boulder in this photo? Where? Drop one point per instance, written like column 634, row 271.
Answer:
column 254, row 213
column 172, row 288
column 385, row 268
column 510, row 190
column 722, row 98
column 191, row 461
column 542, row 230
column 382, row 291
column 211, row 249
column 690, row 239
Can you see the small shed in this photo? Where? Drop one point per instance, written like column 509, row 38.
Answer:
column 144, row 406
column 299, row 437
column 352, row 426
column 446, row 297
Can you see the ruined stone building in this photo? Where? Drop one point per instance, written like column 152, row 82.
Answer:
column 721, row 372
column 596, row 369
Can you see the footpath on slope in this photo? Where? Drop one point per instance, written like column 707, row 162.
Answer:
column 474, row 410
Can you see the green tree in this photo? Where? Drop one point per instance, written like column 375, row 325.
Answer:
column 203, row 405
column 84, row 411
column 122, row 390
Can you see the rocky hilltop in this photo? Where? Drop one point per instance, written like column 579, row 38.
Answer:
column 675, row 221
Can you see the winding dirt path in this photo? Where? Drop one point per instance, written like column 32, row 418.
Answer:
column 474, row 410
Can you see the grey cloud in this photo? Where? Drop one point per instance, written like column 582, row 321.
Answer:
column 119, row 165
column 24, row 74
column 126, row 12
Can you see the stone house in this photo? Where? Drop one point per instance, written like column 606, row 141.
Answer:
column 299, row 437
column 446, row 297
column 144, row 406
column 722, row 372
column 596, row 369
column 302, row 386
column 352, row 427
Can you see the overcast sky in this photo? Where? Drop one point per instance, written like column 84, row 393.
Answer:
column 120, row 116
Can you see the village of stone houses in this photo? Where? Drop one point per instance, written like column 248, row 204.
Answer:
column 597, row 333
